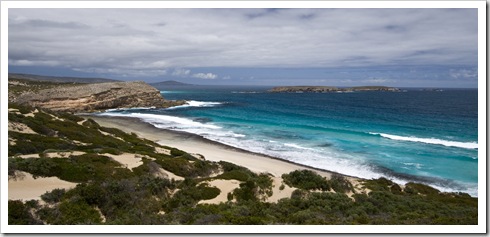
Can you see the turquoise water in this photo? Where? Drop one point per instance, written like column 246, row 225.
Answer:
column 423, row 136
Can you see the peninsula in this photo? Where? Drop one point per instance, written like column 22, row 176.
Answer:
column 324, row 89
column 82, row 97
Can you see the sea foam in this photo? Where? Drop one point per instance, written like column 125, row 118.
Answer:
column 435, row 141
column 194, row 103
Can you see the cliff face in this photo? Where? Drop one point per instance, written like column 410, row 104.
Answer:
column 94, row 97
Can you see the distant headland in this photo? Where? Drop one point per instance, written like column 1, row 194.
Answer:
column 325, row 89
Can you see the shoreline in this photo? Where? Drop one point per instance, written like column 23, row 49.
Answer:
column 211, row 150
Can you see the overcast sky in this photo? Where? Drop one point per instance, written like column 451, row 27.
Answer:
column 339, row 47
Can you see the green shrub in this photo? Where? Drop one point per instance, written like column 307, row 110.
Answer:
column 381, row 184
column 54, row 196
column 70, row 213
column 176, row 152
column 415, row 188
column 340, row 184
column 246, row 192
column 234, row 174
column 206, row 192
column 91, row 124
column 306, row 179
column 264, row 186
column 18, row 214
column 23, row 109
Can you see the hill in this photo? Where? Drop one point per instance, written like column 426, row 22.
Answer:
column 170, row 83
column 33, row 77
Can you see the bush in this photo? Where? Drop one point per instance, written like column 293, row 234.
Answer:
column 18, row 214
column 415, row 188
column 246, row 192
column 234, row 174
column 54, row 196
column 70, row 213
column 91, row 124
column 340, row 184
column 306, row 179
column 176, row 152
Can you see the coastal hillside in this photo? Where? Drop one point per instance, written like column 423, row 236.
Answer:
column 78, row 97
column 324, row 89
column 33, row 77
column 66, row 169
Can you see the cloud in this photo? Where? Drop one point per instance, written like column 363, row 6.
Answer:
column 378, row 80
column 205, row 75
column 131, row 41
column 463, row 73
column 181, row 72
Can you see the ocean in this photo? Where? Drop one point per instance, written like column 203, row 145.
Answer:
column 427, row 136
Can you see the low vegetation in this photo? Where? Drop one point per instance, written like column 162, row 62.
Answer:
column 110, row 193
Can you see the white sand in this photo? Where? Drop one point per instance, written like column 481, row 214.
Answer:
column 226, row 186
column 169, row 175
column 54, row 154
column 211, row 151
column 20, row 127
column 277, row 193
column 126, row 159
column 29, row 188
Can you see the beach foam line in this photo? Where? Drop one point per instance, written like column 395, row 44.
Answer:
column 133, row 108
column 296, row 146
column 195, row 103
column 435, row 141
column 165, row 119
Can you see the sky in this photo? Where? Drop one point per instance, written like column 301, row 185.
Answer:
column 410, row 47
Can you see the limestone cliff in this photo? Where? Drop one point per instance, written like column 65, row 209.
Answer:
column 94, row 97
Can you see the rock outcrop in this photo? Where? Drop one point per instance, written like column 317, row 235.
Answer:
column 324, row 89
column 95, row 97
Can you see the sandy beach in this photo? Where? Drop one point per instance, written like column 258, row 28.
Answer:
column 212, row 151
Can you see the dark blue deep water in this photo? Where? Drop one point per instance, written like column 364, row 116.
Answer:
column 416, row 135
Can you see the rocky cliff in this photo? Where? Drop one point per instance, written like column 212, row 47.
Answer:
column 94, row 97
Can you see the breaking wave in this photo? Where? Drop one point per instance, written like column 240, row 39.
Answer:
column 434, row 141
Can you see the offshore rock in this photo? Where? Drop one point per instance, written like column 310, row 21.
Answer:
column 95, row 97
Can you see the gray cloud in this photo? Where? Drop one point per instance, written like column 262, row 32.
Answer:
column 130, row 41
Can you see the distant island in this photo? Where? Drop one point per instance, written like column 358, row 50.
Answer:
column 325, row 89
column 170, row 83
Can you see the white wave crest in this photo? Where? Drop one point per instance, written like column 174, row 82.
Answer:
column 167, row 121
column 195, row 103
column 133, row 108
column 435, row 141
column 296, row 146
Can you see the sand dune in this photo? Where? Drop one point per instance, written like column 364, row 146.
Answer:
column 28, row 188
